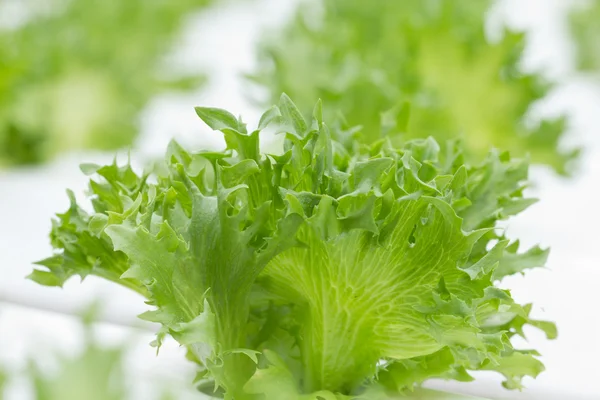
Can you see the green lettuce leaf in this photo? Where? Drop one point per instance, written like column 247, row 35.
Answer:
column 313, row 273
column 78, row 75
column 431, row 59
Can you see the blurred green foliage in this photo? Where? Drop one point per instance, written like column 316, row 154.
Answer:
column 585, row 27
column 96, row 372
column 363, row 58
column 77, row 74
column 95, row 375
column 2, row 383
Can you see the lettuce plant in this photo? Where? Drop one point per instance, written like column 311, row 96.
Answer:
column 313, row 273
column 586, row 32
column 77, row 75
column 363, row 58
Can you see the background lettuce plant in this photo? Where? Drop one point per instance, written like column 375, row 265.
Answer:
column 2, row 384
column 313, row 273
column 433, row 56
column 95, row 370
column 586, row 32
column 77, row 74
column 96, row 375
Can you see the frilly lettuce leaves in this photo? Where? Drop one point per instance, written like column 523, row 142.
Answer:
column 432, row 57
column 77, row 74
column 313, row 273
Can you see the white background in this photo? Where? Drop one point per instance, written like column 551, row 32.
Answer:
column 221, row 42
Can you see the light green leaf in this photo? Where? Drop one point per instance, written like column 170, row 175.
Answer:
column 516, row 366
column 269, row 116
column 514, row 262
column 292, row 115
column 218, row 119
